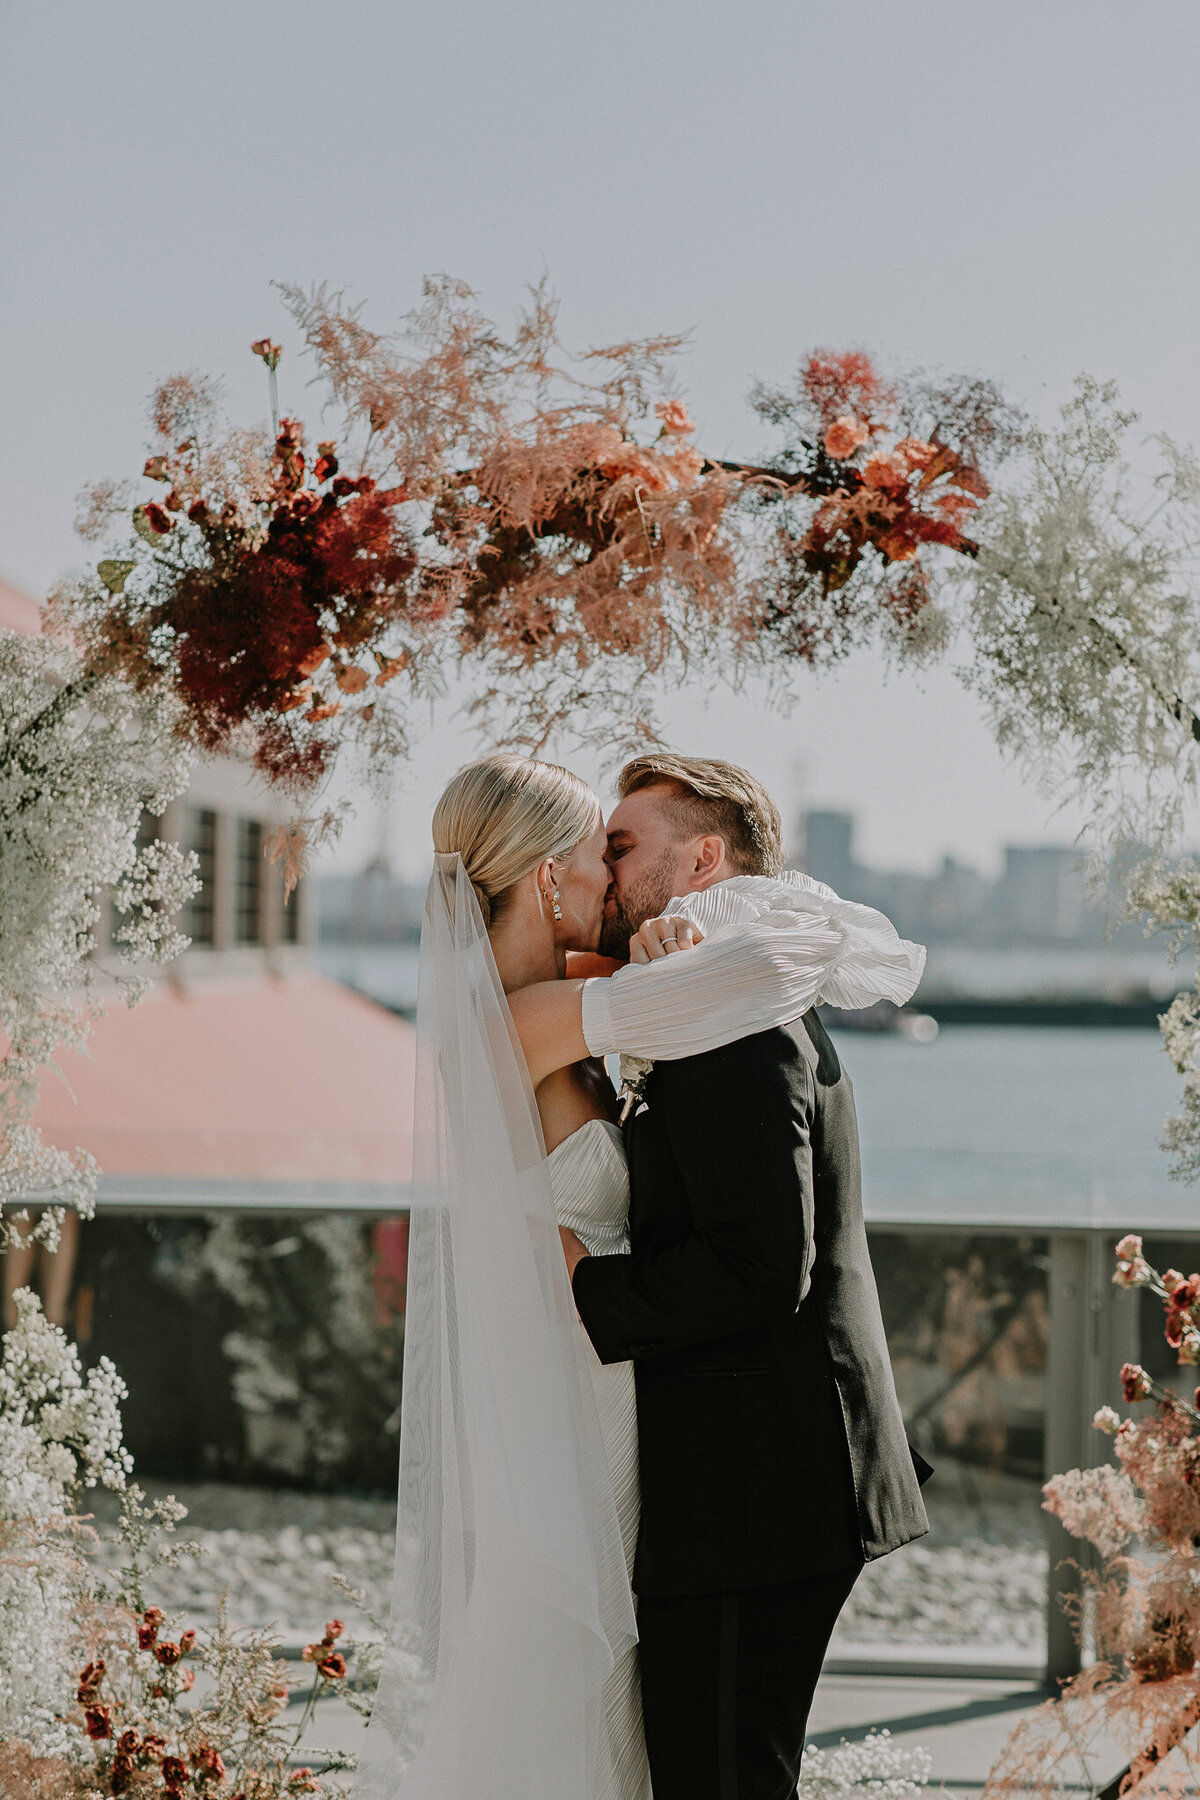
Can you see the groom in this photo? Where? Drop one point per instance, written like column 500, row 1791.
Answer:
column 773, row 1455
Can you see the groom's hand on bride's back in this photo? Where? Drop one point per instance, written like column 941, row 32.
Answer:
column 664, row 936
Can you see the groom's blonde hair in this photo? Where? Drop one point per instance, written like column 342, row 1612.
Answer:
column 505, row 814
column 708, row 795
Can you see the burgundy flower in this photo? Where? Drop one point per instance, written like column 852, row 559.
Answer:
column 121, row 1774
column 1134, row 1382
column 343, row 486
column 156, row 468
column 90, row 1677
column 154, row 1747
column 146, row 1635
column 1187, row 1293
column 156, row 517
column 198, row 512
column 333, row 1667
column 167, row 1653
column 187, row 1643
column 127, row 1743
column 174, row 1771
column 365, row 484
column 326, row 463
column 304, row 503
column 208, row 1764
column 98, row 1721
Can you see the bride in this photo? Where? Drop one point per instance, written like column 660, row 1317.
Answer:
column 510, row 1669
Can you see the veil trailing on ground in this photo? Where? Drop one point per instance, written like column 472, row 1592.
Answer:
column 510, row 1600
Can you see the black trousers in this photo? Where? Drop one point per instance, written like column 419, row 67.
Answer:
column 727, row 1683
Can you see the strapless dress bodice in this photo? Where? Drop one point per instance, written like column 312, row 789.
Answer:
column 589, row 1179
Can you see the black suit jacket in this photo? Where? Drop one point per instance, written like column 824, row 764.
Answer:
column 771, row 1440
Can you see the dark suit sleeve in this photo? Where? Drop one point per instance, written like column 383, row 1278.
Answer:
column 738, row 1119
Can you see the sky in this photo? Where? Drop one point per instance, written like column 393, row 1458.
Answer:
column 1006, row 189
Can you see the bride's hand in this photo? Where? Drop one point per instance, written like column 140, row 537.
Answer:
column 663, row 937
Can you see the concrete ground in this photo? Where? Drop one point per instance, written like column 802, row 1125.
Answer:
column 962, row 1723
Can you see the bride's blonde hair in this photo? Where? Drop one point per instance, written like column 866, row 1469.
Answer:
column 504, row 815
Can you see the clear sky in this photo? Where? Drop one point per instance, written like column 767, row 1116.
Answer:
column 1007, row 188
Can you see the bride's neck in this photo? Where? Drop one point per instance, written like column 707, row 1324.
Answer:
column 525, row 952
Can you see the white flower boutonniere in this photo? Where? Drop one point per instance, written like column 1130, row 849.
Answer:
column 634, row 1071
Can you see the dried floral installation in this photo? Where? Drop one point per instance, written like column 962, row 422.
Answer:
column 1142, row 1519
column 557, row 530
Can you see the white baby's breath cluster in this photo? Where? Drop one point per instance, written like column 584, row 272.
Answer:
column 61, row 1428
column 1084, row 613
column 60, row 1432
column 873, row 1766
column 1083, row 607
column 1166, row 898
column 1101, row 1505
column 81, row 758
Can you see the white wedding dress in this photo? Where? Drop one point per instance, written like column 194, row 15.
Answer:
column 510, row 1665
column 589, row 1180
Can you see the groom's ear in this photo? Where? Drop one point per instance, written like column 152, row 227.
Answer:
column 710, row 861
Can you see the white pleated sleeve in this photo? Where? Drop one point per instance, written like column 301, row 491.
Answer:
column 773, row 947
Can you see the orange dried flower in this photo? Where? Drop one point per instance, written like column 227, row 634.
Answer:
column 885, row 473
column 352, row 680
column 308, row 665
column 676, row 421
column 332, row 1667
column 845, row 436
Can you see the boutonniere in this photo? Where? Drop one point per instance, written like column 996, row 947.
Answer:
column 634, row 1072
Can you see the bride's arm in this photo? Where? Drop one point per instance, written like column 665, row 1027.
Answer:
column 548, row 1015
column 745, row 980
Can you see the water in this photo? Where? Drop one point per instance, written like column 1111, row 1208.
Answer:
column 1030, row 1122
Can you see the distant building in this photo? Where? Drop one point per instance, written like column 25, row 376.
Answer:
column 1042, row 894
column 369, row 906
column 827, row 850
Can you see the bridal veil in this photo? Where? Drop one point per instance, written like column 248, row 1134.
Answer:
column 510, row 1600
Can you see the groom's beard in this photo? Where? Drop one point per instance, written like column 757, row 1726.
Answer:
column 644, row 900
